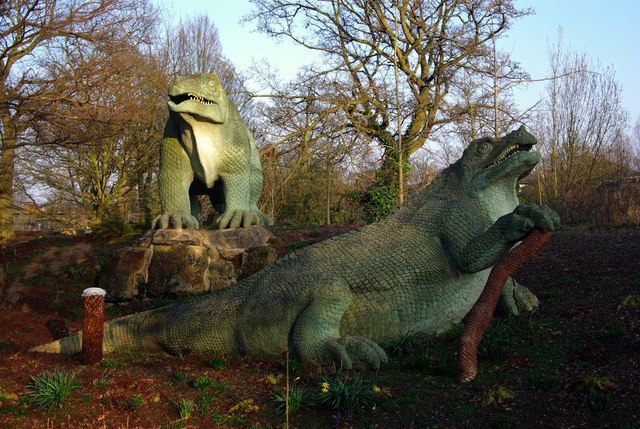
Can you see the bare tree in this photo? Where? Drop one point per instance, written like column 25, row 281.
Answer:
column 299, row 141
column 194, row 46
column 367, row 48
column 582, row 130
column 115, row 138
column 37, row 33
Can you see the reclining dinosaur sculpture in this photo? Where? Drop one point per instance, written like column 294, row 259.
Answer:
column 419, row 271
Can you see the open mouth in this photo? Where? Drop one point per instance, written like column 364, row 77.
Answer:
column 509, row 152
column 177, row 99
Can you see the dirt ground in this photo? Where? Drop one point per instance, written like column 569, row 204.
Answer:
column 573, row 363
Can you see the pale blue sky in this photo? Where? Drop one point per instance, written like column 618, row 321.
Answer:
column 608, row 31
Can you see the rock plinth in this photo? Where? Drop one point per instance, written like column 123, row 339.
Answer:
column 182, row 262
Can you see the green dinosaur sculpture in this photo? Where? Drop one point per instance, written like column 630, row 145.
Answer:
column 419, row 271
column 206, row 149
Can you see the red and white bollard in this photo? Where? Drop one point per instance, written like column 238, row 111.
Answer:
column 92, row 325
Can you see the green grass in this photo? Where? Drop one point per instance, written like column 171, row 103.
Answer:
column 180, row 377
column 49, row 390
column 496, row 395
column 217, row 362
column 186, row 408
column 345, row 393
column 297, row 398
column 410, row 343
column 203, row 382
column 135, row 402
column 111, row 363
column 204, row 404
column 101, row 382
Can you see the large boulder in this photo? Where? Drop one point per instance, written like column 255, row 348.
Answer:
column 182, row 262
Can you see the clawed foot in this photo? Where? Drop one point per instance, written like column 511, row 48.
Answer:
column 527, row 217
column 237, row 218
column 177, row 219
column 356, row 351
column 516, row 299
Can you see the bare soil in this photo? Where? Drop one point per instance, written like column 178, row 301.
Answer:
column 573, row 363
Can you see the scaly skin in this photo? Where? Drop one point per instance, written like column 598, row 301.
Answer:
column 207, row 150
column 419, row 271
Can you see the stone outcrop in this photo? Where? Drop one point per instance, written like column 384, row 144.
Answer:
column 182, row 262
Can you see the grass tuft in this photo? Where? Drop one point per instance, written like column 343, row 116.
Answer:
column 48, row 390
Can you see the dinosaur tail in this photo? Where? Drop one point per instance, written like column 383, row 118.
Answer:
column 137, row 332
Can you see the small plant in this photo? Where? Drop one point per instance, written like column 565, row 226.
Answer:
column 7, row 396
column 410, row 343
column 594, row 384
column 110, row 363
column 272, row 379
column 181, row 377
column 629, row 302
column 48, row 390
column 217, row 362
column 347, row 394
column 496, row 395
column 203, row 382
column 185, row 409
column 298, row 398
column 237, row 415
column 204, row 403
column 545, row 333
column 244, row 407
column 597, row 392
column 101, row 382
column 135, row 402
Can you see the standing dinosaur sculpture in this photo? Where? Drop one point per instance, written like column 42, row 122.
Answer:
column 206, row 149
column 419, row 271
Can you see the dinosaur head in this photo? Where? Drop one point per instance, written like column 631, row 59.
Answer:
column 488, row 161
column 199, row 95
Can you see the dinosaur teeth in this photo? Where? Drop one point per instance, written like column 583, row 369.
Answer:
column 199, row 99
column 504, row 156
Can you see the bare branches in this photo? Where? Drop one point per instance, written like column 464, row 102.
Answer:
column 66, row 77
column 359, row 41
column 584, row 143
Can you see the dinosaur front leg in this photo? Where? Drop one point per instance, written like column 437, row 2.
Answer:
column 239, row 212
column 473, row 251
column 174, row 180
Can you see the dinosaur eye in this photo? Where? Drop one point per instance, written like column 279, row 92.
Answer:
column 483, row 147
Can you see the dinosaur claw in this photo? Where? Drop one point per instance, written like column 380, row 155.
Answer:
column 176, row 218
column 236, row 218
column 359, row 351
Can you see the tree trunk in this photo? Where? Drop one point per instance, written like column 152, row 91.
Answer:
column 7, row 168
